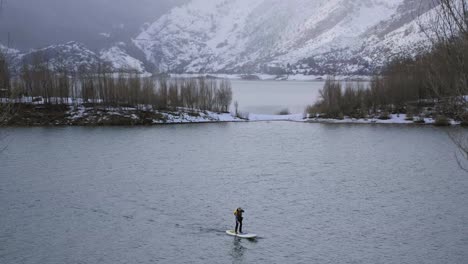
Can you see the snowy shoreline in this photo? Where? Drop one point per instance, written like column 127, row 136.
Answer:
column 270, row 77
column 38, row 115
column 72, row 113
column 179, row 116
column 400, row 119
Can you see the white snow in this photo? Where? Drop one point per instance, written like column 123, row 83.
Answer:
column 394, row 119
column 220, row 35
column 105, row 35
column 182, row 116
column 269, row 77
column 121, row 60
column 204, row 117
column 76, row 54
column 7, row 50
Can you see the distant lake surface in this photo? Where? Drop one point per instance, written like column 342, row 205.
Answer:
column 314, row 193
column 270, row 97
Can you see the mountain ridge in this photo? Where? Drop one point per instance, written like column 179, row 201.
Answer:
column 342, row 37
column 269, row 35
column 74, row 56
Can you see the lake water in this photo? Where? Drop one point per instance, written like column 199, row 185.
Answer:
column 314, row 193
column 270, row 97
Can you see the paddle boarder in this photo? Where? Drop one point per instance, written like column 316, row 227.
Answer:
column 238, row 213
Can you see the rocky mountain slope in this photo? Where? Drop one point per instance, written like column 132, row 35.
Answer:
column 316, row 37
column 343, row 37
column 74, row 56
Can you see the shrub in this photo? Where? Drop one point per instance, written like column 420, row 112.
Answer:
column 194, row 114
column 464, row 120
column 284, row 112
column 409, row 117
column 419, row 120
column 359, row 115
column 442, row 121
column 384, row 116
column 313, row 111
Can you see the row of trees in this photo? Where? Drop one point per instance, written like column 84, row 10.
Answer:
column 355, row 99
column 124, row 90
column 4, row 87
column 101, row 87
column 4, row 73
column 438, row 77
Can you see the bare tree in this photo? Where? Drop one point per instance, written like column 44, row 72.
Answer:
column 5, row 90
column 6, row 103
column 449, row 64
column 174, row 98
column 163, row 94
column 460, row 138
column 236, row 108
column 224, row 96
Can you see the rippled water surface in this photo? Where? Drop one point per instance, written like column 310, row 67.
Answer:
column 314, row 193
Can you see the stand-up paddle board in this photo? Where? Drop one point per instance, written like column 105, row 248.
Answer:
column 241, row 235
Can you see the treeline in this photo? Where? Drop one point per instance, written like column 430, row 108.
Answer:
column 393, row 92
column 4, row 75
column 101, row 87
column 355, row 100
column 162, row 94
column 436, row 80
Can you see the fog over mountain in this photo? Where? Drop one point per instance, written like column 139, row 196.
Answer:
column 318, row 37
column 312, row 37
column 38, row 23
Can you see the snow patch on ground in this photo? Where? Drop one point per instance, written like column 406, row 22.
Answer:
column 79, row 114
column 202, row 117
column 394, row 119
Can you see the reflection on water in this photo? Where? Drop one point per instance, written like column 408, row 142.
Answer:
column 237, row 250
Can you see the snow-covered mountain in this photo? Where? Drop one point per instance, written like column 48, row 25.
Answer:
column 343, row 37
column 71, row 56
column 74, row 56
column 6, row 50
column 119, row 58
column 13, row 56
column 322, row 36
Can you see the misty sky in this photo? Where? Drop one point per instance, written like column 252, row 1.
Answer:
column 37, row 23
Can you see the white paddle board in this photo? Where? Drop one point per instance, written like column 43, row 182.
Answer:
column 241, row 235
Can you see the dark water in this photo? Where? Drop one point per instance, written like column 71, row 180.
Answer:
column 314, row 193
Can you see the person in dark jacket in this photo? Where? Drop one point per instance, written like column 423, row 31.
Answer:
column 238, row 213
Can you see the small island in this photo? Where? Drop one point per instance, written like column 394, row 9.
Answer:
column 42, row 96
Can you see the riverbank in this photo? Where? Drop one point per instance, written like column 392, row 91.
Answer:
column 392, row 119
column 271, row 77
column 95, row 115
